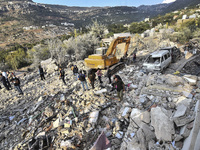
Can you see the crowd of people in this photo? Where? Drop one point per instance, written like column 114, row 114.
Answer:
column 117, row 83
column 7, row 78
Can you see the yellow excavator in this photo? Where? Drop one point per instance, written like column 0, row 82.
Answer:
column 109, row 59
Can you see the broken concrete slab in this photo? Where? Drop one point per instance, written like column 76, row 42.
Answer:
column 173, row 80
column 162, row 124
column 100, row 91
column 141, row 139
column 184, row 131
column 187, row 94
column 191, row 79
column 136, row 116
column 148, row 132
column 93, row 117
column 191, row 141
column 183, row 100
column 198, row 84
column 181, row 110
column 182, row 115
column 156, row 89
column 145, row 117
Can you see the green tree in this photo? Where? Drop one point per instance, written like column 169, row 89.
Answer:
column 98, row 30
column 117, row 28
column 139, row 27
column 17, row 59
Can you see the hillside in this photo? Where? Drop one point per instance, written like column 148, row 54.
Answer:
column 180, row 4
column 28, row 22
column 24, row 22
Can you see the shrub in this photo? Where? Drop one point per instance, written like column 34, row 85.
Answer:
column 17, row 59
column 38, row 53
column 139, row 27
column 117, row 28
column 182, row 36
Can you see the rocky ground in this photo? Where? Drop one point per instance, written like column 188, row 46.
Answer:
column 159, row 111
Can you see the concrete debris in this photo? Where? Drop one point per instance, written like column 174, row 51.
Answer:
column 192, row 80
column 158, row 111
column 100, row 91
column 93, row 117
column 119, row 134
column 187, row 94
column 181, row 110
column 191, row 141
column 164, row 127
column 181, row 117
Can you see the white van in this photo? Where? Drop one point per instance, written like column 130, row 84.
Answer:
column 157, row 61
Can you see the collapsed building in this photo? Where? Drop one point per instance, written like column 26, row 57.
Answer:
column 159, row 111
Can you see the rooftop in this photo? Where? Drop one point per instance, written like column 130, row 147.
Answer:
column 159, row 53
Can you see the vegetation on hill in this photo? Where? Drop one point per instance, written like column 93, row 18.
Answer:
column 82, row 41
column 180, row 4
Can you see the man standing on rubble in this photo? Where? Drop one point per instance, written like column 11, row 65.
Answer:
column 3, row 80
column 134, row 57
column 91, row 77
column 114, row 82
column 120, row 88
column 7, row 80
column 75, row 71
column 62, row 75
column 81, row 77
column 16, row 82
column 41, row 72
column 99, row 74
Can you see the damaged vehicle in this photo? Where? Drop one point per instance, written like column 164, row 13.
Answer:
column 157, row 61
column 174, row 52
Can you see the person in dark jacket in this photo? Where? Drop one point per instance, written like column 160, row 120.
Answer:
column 62, row 75
column 41, row 72
column 3, row 80
column 91, row 77
column 16, row 82
column 114, row 82
column 99, row 74
column 75, row 71
column 7, row 80
column 81, row 77
column 120, row 88
column 134, row 57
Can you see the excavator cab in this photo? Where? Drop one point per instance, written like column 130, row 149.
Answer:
column 101, row 50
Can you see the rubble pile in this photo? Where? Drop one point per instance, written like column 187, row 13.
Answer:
column 157, row 112
column 164, row 113
column 193, row 44
column 192, row 67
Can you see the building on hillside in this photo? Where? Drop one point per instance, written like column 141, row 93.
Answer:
column 175, row 12
column 127, row 25
column 176, row 16
column 122, row 34
column 145, row 34
column 146, row 19
column 193, row 16
column 184, row 17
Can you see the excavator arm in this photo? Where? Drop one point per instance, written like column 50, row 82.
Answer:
column 109, row 60
column 112, row 48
